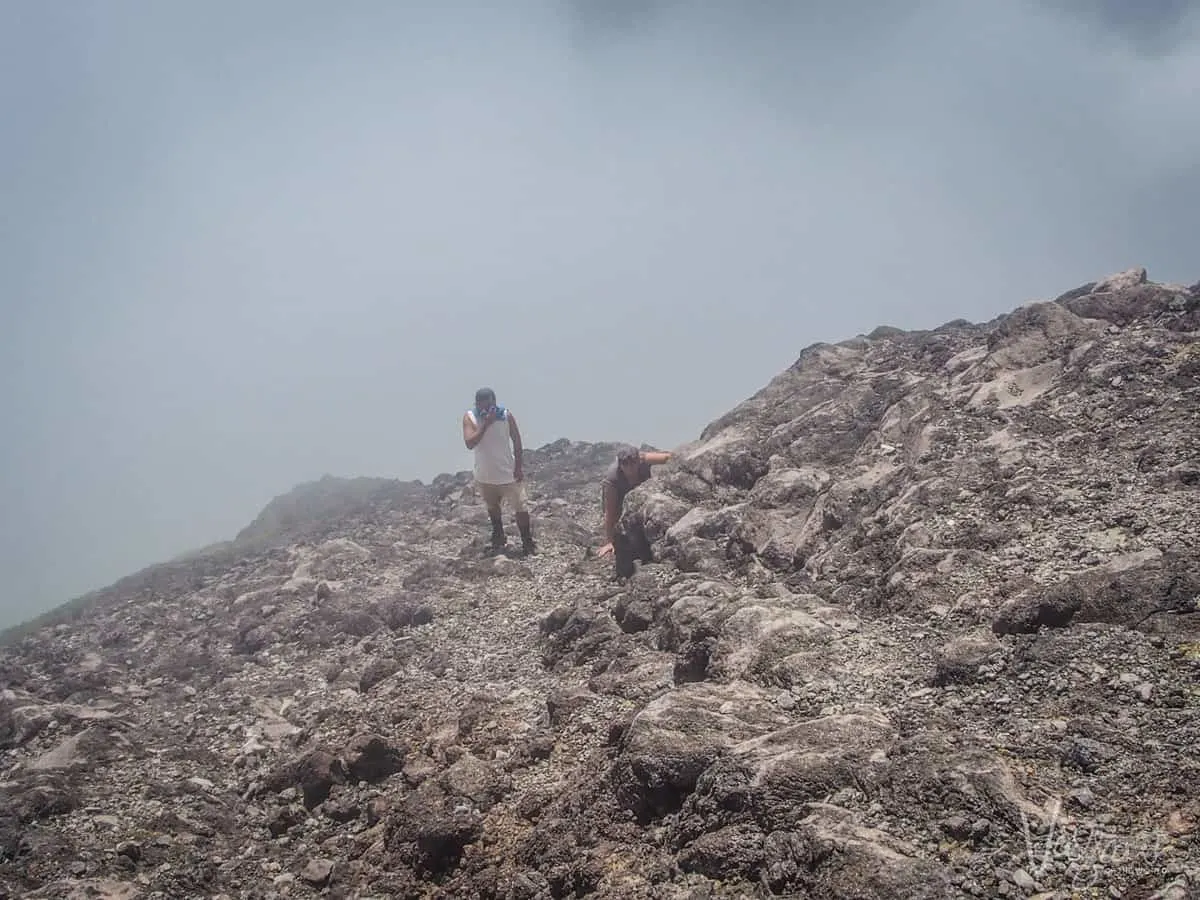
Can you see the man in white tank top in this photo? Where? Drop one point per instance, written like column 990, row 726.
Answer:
column 491, row 432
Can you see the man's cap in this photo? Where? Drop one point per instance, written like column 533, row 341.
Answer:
column 628, row 454
column 484, row 394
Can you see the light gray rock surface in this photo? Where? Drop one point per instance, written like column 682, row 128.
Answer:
column 920, row 622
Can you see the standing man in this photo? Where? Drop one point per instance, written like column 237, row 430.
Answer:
column 631, row 468
column 491, row 432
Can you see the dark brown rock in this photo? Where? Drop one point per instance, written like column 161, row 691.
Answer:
column 313, row 774
column 372, row 758
column 430, row 831
column 1049, row 608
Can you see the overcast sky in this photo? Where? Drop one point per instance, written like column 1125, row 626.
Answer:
column 245, row 244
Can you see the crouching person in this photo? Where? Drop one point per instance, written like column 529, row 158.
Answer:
column 631, row 468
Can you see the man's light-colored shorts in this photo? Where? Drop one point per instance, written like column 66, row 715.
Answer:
column 513, row 492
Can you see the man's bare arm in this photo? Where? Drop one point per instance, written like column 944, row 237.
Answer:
column 610, row 512
column 473, row 434
column 514, row 432
column 656, row 458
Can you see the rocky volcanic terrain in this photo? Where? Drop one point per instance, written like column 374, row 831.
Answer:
column 920, row 622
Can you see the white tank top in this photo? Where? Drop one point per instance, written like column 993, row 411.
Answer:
column 494, row 462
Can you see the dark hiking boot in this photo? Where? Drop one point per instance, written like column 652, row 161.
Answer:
column 528, row 547
column 498, row 541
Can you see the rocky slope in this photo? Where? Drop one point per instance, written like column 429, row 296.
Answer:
column 917, row 620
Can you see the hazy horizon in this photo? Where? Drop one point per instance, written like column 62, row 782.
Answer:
column 248, row 245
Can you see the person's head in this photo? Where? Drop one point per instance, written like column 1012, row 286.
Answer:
column 628, row 459
column 485, row 398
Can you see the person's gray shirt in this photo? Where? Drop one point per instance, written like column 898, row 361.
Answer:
column 616, row 480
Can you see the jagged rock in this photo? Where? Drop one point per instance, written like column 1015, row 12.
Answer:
column 22, row 718
column 962, row 657
column 404, row 611
column 370, row 757
column 313, row 774
column 431, row 830
column 1052, row 607
column 34, row 800
column 562, row 704
column 766, row 783
column 285, row 818
column 832, row 856
column 926, row 601
column 581, row 636
column 318, row 872
column 675, row 738
column 87, row 748
column 377, row 670
column 471, row 778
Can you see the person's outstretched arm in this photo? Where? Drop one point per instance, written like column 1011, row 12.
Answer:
column 655, row 457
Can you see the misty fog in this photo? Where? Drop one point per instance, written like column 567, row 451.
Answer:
column 245, row 245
